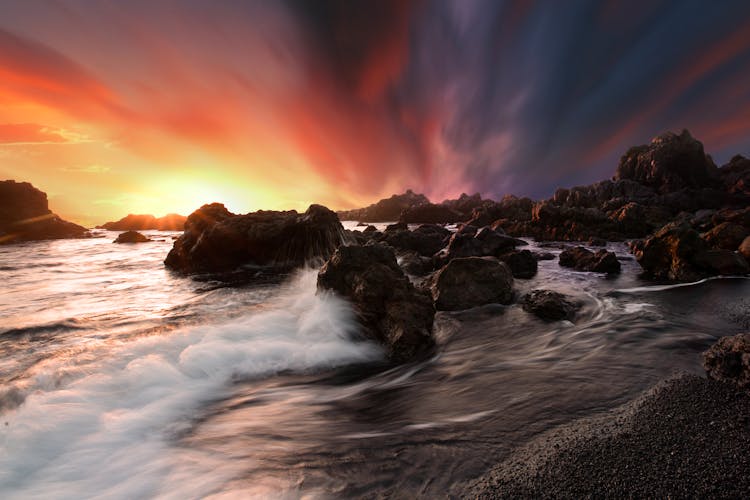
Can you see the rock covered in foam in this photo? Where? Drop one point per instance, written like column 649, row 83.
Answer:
column 390, row 309
column 217, row 240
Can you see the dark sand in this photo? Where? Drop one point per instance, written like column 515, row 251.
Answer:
column 688, row 437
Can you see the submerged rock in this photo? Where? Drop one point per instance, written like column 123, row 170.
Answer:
column 131, row 237
column 581, row 259
column 390, row 309
column 549, row 305
column 470, row 282
column 728, row 360
column 217, row 240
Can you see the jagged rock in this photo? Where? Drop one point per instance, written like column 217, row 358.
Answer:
column 398, row 226
column 727, row 236
column 370, row 229
column 670, row 163
column 728, row 360
column 522, row 263
column 431, row 213
column 465, row 204
column 390, row 309
column 634, row 219
column 216, row 240
column 549, row 305
column 582, row 259
column 486, row 242
column 131, row 237
column 736, row 175
column 415, row 264
column 744, row 248
column 425, row 240
column 470, row 282
column 25, row 216
column 170, row 222
column 385, row 210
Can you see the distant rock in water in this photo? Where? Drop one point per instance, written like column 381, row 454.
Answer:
column 131, row 237
column 385, row 210
column 25, row 216
column 216, row 240
column 431, row 214
column 390, row 309
column 170, row 222
column 470, row 282
column 728, row 360
column 549, row 305
column 582, row 259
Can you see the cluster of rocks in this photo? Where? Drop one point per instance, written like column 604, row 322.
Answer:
column 25, row 216
column 131, row 222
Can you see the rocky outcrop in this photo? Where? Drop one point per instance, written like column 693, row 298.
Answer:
column 470, row 282
column 170, row 222
column 431, row 214
column 728, row 360
column 486, row 242
column 744, row 248
column 677, row 252
column 727, row 236
column 671, row 162
column 131, row 237
column 581, row 259
column 389, row 308
column 522, row 263
column 735, row 176
column 549, row 305
column 216, row 240
column 25, row 216
column 425, row 240
column 385, row 210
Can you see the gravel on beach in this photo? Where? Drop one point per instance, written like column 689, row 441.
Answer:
column 688, row 437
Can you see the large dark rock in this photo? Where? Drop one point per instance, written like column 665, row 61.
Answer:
column 670, row 163
column 728, row 360
column 581, row 259
column 431, row 213
column 549, row 305
column 25, row 216
column 677, row 252
column 215, row 240
column 170, row 222
column 522, row 263
column 385, row 210
column 470, row 282
column 425, row 240
column 466, row 204
column 485, row 243
column 726, row 235
column 131, row 237
column 390, row 309
column 736, row 175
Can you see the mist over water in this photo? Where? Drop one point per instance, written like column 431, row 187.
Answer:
column 120, row 379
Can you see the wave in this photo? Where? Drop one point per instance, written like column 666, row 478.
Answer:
column 661, row 288
column 107, row 432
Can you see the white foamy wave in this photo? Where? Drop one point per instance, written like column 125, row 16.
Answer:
column 104, row 434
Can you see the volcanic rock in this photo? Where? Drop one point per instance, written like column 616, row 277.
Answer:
column 470, row 282
column 549, row 305
column 390, row 309
column 728, row 360
column 25, row 216
column 581, row 259
column 385, row 210
column 522, row 263
column 216, row 240
column 131, row 237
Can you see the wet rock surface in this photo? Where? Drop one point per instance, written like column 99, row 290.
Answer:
column 549, row 305
column 728, row 360
column 581, row 259
column 470, row 282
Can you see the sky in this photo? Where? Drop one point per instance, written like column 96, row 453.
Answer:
column 117, row 107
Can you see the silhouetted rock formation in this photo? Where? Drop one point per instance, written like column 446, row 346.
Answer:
column 485, row 243
column 216, row 240
column 470, row 282
column 391, row 310
column 385, row 210
column 431, row 214
column 170, row 222
column 25, row 216
column 426, row 240
column 736, row 175
column 582, row 259
column 549, row 305
column 131, row 237
column 728, row 360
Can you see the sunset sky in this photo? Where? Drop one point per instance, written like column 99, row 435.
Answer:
column 116, row 107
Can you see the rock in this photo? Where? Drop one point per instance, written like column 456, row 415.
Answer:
column 670, row 163
column 215, row 240
column 597, row 242
column 398, row 226
column 425, row 240
column 486, row 242
column 582, row 259
column 370, row 229
column 728, row 360
column 677, row 252
column 389, row 308
column 386, row 210
column 470, row 282
column 727, row 236
column 744, row 248
column 549, row 305
column 522, row 263
column 431, row 213
column 25, row 216
column 170, row 222
column 131, row 237
column 544, row 256
column 465, row 204
column 736, row 175
column 415, row 264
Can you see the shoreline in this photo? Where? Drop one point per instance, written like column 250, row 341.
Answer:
column 688, row 436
